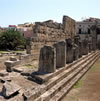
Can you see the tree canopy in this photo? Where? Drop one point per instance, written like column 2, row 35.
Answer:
column 11, row 39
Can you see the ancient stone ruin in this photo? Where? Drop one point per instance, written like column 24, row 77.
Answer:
column 47, row 62
column 59, row 57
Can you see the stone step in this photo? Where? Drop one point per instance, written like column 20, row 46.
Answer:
column 67, row 88
column 65, row 73
column 48, row 94
column 43, row 88
column 44, row 78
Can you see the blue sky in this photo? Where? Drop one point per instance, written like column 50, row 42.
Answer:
column 21, row 11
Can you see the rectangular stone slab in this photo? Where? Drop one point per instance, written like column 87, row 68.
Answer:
column 3, row 73
column 9, row 89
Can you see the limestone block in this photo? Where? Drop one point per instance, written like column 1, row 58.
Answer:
column 28, row 49
column 90, row 47
column 69, row 51
column 47, row 60
column 69, row 26
column 98, row 45
column 3, row 73
column 60, row 54
column 76, row 39
column 76, row 52
column 10, row 64
column 85, row 47
column 94, row 37
column 12, row 58
column 80, row 48
column 9, row 89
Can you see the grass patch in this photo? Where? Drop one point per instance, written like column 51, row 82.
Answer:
column 2, row 51
column 95, row 67
column 28, row 65
column 78, row 84
column 18, row 51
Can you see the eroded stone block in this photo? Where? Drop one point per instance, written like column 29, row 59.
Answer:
column 69, row 51
column 69, row 26
column 76, row 52
column 9, row 89
column 90, row 47
column 80, row 48
column 47, row 60
column 4, row 73
column 12, row 58
column 60, row 54
column 85, row 47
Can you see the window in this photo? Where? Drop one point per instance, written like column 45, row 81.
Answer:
column 88, row 31
column 80, row 31
column 98, row 31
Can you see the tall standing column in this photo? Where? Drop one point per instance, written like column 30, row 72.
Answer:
column 47, row 60
column 60, row 54
column 69, row 51
column 94, row 37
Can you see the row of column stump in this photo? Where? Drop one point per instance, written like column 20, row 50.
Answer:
column 66, row 51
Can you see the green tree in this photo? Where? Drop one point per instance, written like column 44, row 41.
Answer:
column 11, row 39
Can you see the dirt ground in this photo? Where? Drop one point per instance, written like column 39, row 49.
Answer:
column 88, row 88
column 2, row 60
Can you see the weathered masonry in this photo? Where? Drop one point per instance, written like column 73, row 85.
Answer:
column 63, row 58
column 49, row 32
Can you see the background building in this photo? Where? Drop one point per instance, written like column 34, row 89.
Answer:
column 83, row 28
column 26, row 29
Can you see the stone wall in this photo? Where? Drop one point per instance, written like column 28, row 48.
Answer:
column 50, row 32
column 46, row 31
column 69, row 26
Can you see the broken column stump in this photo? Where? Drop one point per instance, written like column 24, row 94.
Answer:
column 77, row 46
column 90, row 47
column 85, row 47
column 10, row 63
column 47, row 60
column 69, row 51
column 28, row 45
column 76, row 52
column 60, row 54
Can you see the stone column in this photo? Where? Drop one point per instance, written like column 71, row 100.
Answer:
column 85, row 47
column 76, row 47
column 80, row 48
column 60, row 54
column 99, row 45
column 90, row 46
column 28, row 46
column 69, row 51
column 28, row 49
column 94, row 37
column 47, row 60
column 76, row 39
column 75, row 52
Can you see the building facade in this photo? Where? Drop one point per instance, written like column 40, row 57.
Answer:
column 83, row 28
